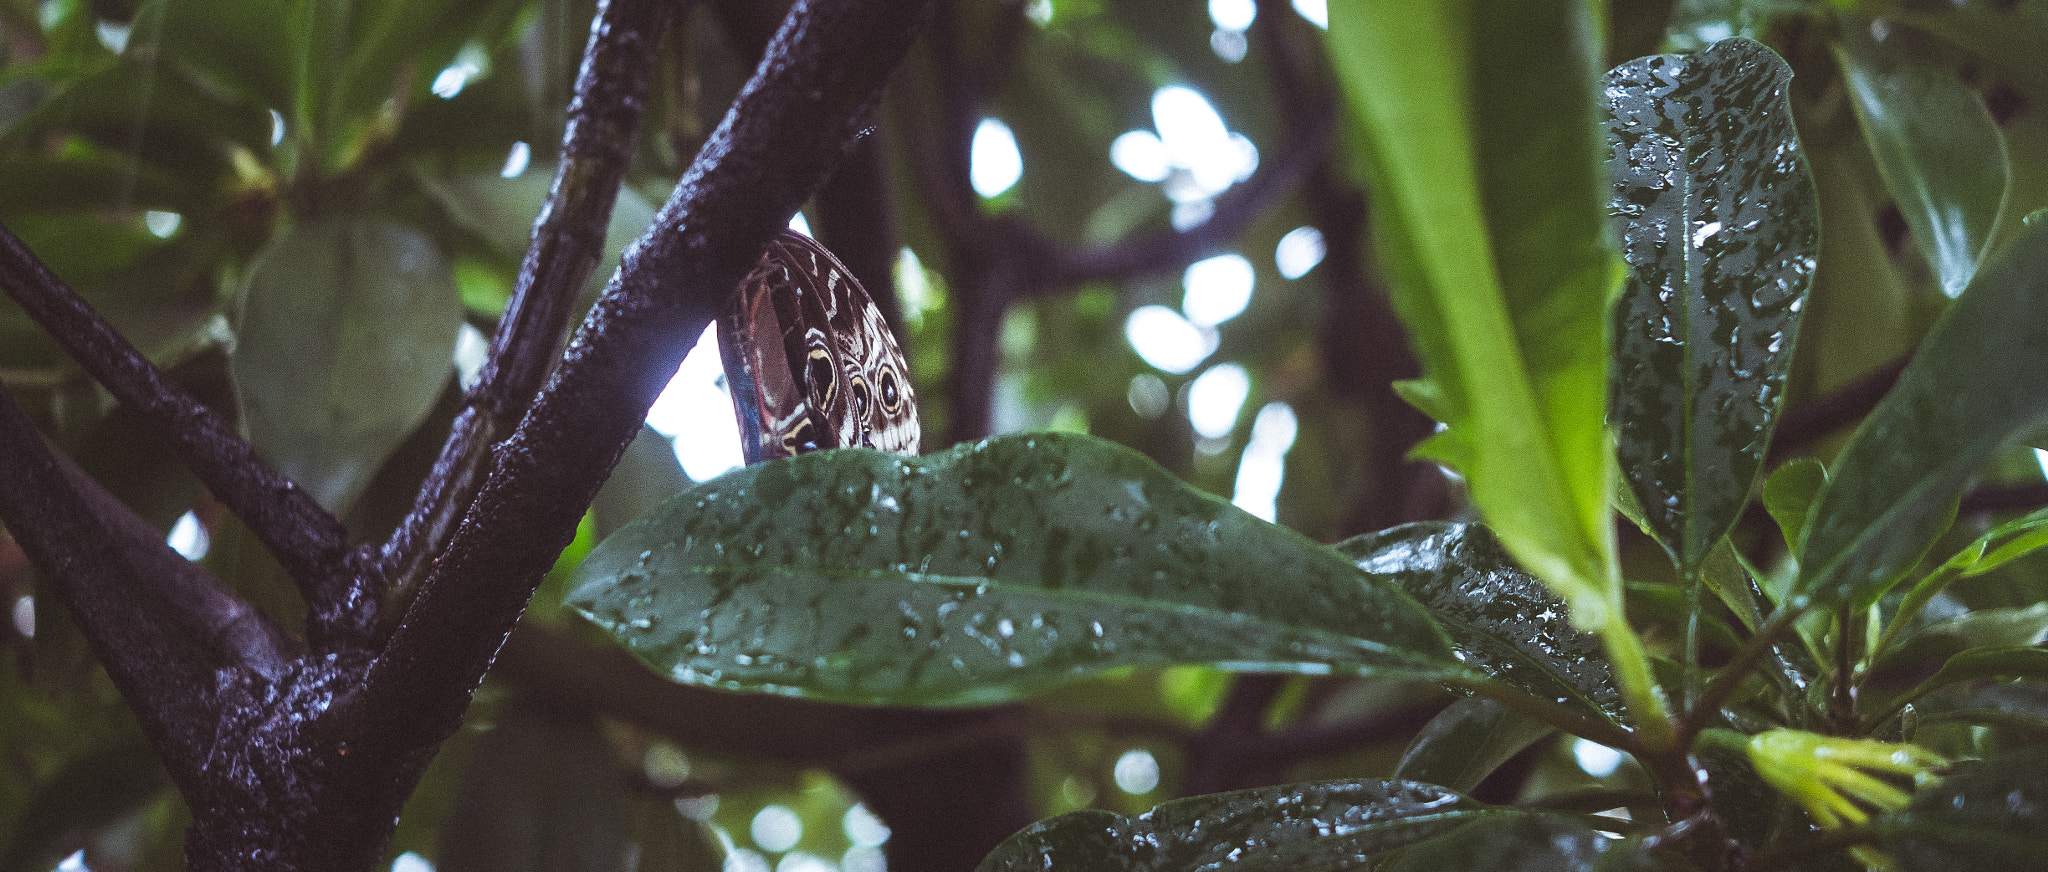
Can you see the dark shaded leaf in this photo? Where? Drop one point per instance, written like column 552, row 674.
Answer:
column 1464, row 743
column 73, row 804
column 1507, row 843
column 542, row 793
column 1978, row 383
column 980, row 574
column 1716, row 213
column 345, row 339
column 1291, row 826
column 1946, row 639
column 1988, row 815
column 1504, row 621
column 2011, row 662
column 1941, row 155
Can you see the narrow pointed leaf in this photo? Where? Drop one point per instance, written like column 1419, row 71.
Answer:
column 1490, row 198
column 981, row 574
column 346, row 338
column 1716, row 212
column 1978, row 384
column 1503, row 620
column 1326, row 825
column 1940, row 153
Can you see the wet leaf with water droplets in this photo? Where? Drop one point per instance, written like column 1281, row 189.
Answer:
column 1503, row 620
column 1988, row 815
column 1291, row 826
column 1718, row 223
column 981, row 574
column 1978, row 384
column 1508, row 843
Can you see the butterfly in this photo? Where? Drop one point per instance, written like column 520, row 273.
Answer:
column 810, row 360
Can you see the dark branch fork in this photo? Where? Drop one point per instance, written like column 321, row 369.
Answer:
column 313, row 778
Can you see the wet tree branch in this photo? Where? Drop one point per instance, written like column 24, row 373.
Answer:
column 568, row 240
column 158, row 664
column 778, row 143
column 306, row 539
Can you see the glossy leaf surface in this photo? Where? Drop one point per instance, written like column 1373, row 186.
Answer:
column 345, row 340
column 1940, row 153
column 1465, row 742
column 1978, row 384
column 980, row 574
column 1507, row 843
column 1291, row 826
column 1988, row 815
column 1490, row 198
column 1503, row 620
column 1716, row 213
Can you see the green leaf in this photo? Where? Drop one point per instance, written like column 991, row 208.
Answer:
column 502, row 211
column 1949, row 638
column 1465, row 742
column 1507, row 843
column 542, row 793
column 346, row 334
column 1789, row 494
column 980, row 574
column 1718, row 223
column 2006, row 542
column 1988, row 815
column 1481, row 128
column 1504, row 621
column 1291, row 826
column 1978, row 384
column 2010, row 662
column 1940, row 153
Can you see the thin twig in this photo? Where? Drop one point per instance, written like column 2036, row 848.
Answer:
column 307, row 540
column 568, row 241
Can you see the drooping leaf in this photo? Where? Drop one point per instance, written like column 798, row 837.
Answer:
column 1291, row 826
column 345, row 339
column 1940, row 153
column 1480, row 127
column 1507, row 843
column 1716, row 214
column 1988, row 815
column 1978, row 384
column 1464, row 743
column 1504, row 621
column 543, row 792
column 980, row 574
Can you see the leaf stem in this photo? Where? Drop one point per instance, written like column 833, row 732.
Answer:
column 1631, row 664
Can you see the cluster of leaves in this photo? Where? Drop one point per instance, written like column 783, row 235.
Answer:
column 985, row 572
column 339, row 219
